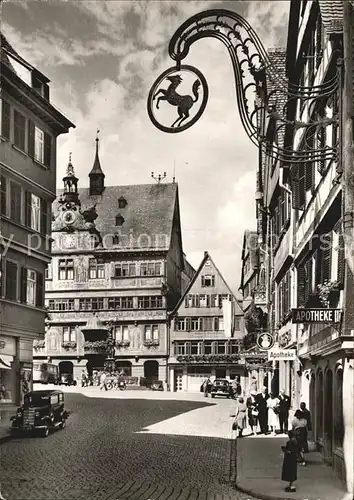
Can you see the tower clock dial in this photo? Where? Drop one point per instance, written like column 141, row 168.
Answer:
column 69, row 217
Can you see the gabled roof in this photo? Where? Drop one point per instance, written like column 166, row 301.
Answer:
column 148, row 216
column 195, row 277
column 332, row 15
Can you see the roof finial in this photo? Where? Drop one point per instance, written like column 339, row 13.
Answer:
column 97, row 139
column 70, row 167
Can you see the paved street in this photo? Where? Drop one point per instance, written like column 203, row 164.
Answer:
column 116, row 447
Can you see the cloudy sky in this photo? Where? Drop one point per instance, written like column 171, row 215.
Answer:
column 102, row 58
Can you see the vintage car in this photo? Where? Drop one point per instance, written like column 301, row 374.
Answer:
column 42, row 411
column 220, row 387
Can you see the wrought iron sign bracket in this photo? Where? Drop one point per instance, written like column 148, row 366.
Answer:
column 262, row 94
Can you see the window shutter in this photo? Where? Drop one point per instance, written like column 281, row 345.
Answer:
column 321, row 144
column 326, row 259
column 302, row 186
column 44, row 217
column 23, row 284
column 301, row 286
column 309, row 176
column 39, row 290
column 341, row 261
column 216, row 324
column 295, row 187
column 47, row 149
column 186, row 302
column 28, row 209
column 203, row 281
column 208, row 300
column 31, row 134
column 5, row 120
column 308, row 280
column 3, row 195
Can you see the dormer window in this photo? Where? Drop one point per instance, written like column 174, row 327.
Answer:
column 122, row 202
column 115, row 239
column 119, row 220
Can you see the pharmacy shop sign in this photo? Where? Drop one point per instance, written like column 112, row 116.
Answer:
column 316, row 316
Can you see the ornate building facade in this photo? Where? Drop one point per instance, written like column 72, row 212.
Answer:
column 301, row 228
column 117, row 253
column 206, row 331
column 29, row 128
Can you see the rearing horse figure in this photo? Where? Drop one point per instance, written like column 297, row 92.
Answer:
column 183, row 102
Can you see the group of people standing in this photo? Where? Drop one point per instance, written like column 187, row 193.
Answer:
column 271, row 413
column 266, row 410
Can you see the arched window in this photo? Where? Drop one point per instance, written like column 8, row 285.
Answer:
column 115, row 239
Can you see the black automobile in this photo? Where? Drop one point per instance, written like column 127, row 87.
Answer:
column 42, row 411
column 67, row 379
column 220, row 387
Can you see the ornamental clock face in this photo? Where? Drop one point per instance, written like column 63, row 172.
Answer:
column 69, row 241
column 69, row 217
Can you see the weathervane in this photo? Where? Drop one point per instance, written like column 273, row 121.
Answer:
column 159, row 178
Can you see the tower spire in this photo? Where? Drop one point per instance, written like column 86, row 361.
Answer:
column 70, row 181
column 96, row 175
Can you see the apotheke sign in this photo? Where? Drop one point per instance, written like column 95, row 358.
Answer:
column 282, row 355
column 316, row 315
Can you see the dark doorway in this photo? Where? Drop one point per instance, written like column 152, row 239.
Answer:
column 124, row 368
column 66, row 367
column 220, row 372
column 151, row 370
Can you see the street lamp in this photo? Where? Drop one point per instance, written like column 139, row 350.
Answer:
column 254, row 75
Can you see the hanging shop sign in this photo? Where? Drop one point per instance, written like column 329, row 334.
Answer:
column 282, row 355
column 265, row 341
column 316, row 315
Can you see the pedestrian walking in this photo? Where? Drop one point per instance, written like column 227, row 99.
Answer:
column 307, row 415
column 206, row 387
column 299, row 425
column 284, row 407
column 273, row 412
column 289, row 469
column 103, row 381
column 251, row 404
column 262, row 408
column 241, row 416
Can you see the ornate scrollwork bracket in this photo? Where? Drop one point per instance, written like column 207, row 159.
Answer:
column 263, row 95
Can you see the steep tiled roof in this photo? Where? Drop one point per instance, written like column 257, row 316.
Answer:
column 332, row 15
column 148, row 215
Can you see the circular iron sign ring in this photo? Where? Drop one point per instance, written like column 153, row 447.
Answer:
column 155, row 88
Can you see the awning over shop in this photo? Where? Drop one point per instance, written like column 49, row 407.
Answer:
column 5, row 361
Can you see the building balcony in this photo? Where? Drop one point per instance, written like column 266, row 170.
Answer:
column 122, row 343
column 208, row 358
column 69, row 346
column 151, row 343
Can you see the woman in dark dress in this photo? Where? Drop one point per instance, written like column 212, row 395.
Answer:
column 289, row 470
